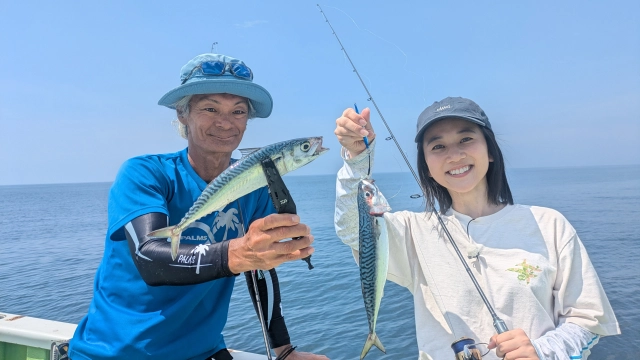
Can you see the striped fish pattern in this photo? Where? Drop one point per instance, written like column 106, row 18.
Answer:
column 242, row 177
column 373, row 254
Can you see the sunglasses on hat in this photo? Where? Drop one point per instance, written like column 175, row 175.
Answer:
column 218, row 68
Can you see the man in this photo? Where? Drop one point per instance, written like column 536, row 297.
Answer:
column 148, row 306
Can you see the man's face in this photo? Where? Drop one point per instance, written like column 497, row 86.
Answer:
column 216, row 122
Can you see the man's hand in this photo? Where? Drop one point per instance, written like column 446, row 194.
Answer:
column 351, row 127
column 513, row 344
column 298, row 355
column 262, row 247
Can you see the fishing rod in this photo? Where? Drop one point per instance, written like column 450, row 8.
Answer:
column 255, row 275
column 498, row 323
column 263, row 323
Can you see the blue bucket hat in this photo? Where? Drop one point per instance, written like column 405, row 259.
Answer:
column 451, row 107
column 195, row 81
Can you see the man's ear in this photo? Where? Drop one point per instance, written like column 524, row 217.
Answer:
column 181, row 118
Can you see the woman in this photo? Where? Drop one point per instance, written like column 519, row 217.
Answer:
column 529, row 260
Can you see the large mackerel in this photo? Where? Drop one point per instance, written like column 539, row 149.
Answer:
column 373, row 254
column 242, row 177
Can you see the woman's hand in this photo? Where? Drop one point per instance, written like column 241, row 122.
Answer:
column 351, row 127
column 513, row 344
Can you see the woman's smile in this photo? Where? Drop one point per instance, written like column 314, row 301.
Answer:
column 460, row 171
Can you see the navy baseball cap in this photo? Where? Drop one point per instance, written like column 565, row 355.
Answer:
column 451, row 107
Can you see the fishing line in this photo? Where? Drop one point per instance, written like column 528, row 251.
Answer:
column 498, row 323
column 405, row 68
column 396, row 194
column 406, row 58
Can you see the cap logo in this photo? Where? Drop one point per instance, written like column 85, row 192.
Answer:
column 443, row 107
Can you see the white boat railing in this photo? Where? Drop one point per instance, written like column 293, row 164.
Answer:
column 24, row 337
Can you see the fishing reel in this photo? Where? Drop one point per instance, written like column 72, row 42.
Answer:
column 467, row 349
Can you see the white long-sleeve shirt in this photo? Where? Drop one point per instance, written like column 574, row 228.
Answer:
column 531, row 265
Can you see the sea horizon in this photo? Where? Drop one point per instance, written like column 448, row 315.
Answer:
column 376, row 172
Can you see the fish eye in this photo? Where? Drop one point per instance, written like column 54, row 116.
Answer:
column 367, row 194
column 305, row 146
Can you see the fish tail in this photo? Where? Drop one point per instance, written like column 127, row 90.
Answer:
column 372, row 339
column 168, row 233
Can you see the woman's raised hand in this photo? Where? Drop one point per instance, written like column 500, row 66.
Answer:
column 351, row 127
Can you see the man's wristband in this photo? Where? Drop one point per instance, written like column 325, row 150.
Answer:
column 286, row 353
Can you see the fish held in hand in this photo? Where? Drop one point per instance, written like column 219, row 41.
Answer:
column 242, row 177
column 373, row 254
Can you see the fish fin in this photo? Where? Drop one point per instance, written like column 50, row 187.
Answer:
column 372, row 339
column 167, row 233
column 248, row 151
column 378, row 344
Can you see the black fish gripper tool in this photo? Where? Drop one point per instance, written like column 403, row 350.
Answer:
column 280, row 196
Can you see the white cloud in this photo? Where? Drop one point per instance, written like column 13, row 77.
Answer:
column 248, row 24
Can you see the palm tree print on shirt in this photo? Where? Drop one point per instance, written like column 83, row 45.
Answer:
column 200, row 250
column 526, row 272
column 227, row 219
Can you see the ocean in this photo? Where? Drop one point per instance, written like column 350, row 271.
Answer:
column 53, row 237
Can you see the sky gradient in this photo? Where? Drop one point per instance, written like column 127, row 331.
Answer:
column 560, row 82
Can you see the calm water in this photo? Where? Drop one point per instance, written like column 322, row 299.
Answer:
column 53, row 240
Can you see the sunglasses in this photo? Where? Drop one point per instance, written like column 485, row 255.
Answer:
column 218, row 68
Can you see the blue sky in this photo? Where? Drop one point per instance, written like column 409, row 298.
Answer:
column 560, row 81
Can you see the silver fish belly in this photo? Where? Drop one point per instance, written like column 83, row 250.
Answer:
column 241, row 178
column 373, row 255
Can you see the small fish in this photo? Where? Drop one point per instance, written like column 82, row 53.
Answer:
column 373, row 254
column 242, row 177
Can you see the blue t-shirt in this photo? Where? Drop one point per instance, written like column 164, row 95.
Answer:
column 129, row 319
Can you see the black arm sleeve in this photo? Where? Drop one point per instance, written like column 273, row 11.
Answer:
column 278, row 334
column 153, row 256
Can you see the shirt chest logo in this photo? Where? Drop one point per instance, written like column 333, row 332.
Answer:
column 216, row 227
column 525, row 271
column 227, row 220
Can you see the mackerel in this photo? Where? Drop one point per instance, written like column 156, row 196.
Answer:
column 373, row 254
column 242, row 177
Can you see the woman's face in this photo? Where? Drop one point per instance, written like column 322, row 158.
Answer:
column 216, row 122
column 456, row 154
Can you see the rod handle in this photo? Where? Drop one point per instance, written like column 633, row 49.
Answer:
column 500, row 326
